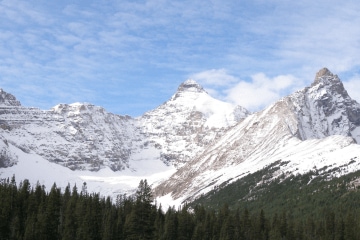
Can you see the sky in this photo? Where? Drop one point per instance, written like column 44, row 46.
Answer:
column 130, row 56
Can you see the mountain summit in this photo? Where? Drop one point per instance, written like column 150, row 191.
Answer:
column 324, row 78
column 189, row 90
column 323, row 72
column 325, row 108
column 6, row 99
column 190, row 85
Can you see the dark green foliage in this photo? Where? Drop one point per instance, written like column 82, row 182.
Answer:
column 33, row 213
column 308, row 195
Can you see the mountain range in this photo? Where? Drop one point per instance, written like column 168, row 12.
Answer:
column 186, row 147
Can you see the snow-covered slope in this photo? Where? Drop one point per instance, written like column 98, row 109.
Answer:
column 35, row 168
column 284, row 131
column 187, row 123
column 81, row 136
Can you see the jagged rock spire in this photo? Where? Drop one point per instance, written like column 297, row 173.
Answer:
column 8, row 99
column 323, row 72
column 325, row 77
column 190, row 86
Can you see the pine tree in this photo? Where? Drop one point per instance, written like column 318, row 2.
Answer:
column 159, row 223
column 246, row 224
column 350, row 233
column 140, row 223
column 171, row 225
column 109, row 220
column 228, row 229
column 70, row 222
column 52, row 213
column 185, row 224
column 261, row 230
column 330, row 225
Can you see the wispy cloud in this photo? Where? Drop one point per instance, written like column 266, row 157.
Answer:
column 85, row 51
column 214, row 77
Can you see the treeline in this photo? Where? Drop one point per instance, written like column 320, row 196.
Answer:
column 30, row 212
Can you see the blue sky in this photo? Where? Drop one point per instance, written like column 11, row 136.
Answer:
column 130, row 56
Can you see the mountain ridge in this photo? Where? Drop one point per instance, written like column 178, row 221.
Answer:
column 84, row 136
column 289, row 126
column 189, row 144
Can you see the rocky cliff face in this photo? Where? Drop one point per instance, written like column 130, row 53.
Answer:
column 86, row 137
column 78, row 136
column 325, row 109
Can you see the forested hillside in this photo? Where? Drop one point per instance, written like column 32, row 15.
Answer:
column 315, row 195
column 30, row 212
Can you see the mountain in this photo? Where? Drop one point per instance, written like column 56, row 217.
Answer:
column 84, row 137
column 183, row 126
column 312, row 128
column 188, row 146
column 77, row 136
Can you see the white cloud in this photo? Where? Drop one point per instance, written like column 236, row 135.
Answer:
column 261, row 91
column 255, row 94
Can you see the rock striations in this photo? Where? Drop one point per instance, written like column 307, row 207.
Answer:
column 82, row 136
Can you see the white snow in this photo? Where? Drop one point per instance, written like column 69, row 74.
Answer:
column 106, row 182
column 356, row 134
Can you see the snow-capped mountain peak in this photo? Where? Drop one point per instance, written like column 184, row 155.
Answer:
column 330, row 82
column 188, row 91
column 190, row 85
column 323, row 73
column 7, row 99
column 325, row 109
column 183, row 122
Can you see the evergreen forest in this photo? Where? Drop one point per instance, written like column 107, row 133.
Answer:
column 31, row 212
